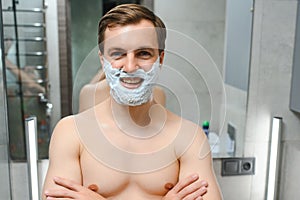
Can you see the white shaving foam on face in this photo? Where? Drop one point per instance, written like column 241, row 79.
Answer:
column 126, row 96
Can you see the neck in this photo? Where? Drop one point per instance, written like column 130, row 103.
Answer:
column 139, row 114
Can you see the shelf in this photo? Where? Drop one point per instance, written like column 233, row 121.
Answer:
column 32, row 10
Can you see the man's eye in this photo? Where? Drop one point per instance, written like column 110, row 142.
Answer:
column 144, row 54
column 117, row 54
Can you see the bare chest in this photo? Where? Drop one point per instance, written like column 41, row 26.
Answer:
column 112, row 182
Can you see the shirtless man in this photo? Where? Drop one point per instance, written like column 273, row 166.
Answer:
column 128, row 146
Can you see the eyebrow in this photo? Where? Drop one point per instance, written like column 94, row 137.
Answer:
column 115, row 49
column 145, row 48
column 137, row 49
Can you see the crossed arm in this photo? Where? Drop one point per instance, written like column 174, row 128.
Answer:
column 64, row 162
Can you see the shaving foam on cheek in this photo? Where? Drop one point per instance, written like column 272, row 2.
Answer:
column 131, row 97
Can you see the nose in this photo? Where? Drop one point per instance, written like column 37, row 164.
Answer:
column 130, row 64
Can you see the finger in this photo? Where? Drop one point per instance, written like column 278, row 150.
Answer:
column 67, row 183
column 193, row 188
column 204, row 183
column 199, row 198
column 60, row 193
column 185, row 182
column 54, row 198
column 196, row 194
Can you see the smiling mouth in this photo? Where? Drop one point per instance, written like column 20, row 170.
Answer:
column 131, row 83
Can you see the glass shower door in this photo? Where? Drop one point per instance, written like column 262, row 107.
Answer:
column 27, row 85
column 5, row 193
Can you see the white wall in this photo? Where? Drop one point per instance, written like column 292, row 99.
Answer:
column 270, row 79
column 270, row 82
column 204, row 22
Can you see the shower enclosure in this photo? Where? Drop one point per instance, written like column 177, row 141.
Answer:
column 4, row 160
column 27, row 73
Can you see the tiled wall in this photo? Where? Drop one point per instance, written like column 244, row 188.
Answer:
column 270, row 78
column 269, row 92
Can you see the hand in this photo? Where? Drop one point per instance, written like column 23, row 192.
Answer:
column 71, row 190
column 188, row 188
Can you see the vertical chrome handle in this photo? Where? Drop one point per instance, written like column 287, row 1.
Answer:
column 274, row 158
column 32, row 156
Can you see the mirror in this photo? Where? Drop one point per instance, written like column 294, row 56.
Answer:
column 214, row 34
column 213, row 27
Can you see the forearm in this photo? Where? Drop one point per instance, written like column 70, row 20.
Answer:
column 72, row 190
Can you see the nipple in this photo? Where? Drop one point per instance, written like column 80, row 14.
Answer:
column 169, row 186
column 93, row 187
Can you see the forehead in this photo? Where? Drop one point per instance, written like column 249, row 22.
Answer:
column 132, row 36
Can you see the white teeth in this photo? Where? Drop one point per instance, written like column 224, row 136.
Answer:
column 131, row 80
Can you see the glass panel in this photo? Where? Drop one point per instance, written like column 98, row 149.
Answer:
column 27, row 46
column 16, row 133
column 4, row 163
column 27, row 79
column 30, row 4
column 32, row 106
column 24, row 32
column 24, row 17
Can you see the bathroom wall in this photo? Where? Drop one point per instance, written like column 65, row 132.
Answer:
column 270, row 78
column 204, row 23
column 84, row 26
column 270, row 83
column 269, row 92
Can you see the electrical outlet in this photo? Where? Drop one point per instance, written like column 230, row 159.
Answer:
column 238, row 166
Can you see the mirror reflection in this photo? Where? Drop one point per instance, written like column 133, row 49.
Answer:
column 27, row 83
column 212, row 28
column 210, row 24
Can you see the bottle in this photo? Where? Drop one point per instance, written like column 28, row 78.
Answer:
column 205, row 127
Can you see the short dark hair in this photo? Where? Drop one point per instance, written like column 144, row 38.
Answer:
column 126, row 14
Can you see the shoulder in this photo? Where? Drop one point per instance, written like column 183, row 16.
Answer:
column 65, row 125
column 93, row 94
column 184, row 124
column 93, row 87
column 64, row 135
column 190, row 137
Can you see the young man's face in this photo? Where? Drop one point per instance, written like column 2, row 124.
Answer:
column 132, row 46
column 131, row 62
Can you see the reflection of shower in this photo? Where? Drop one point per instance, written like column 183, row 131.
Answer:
column 26, row 72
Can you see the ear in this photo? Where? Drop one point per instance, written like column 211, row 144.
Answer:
column 101, row 57
column 161, row 57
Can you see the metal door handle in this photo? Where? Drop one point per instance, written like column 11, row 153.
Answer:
column 32, row 156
